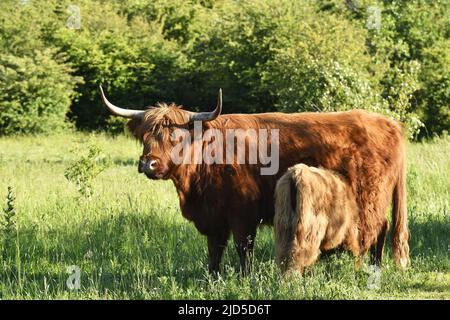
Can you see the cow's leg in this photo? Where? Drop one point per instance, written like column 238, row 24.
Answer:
column 376, row 252
column 216, row 245
column 244, row 243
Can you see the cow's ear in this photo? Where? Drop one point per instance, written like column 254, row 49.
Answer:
column 135, row 128
column 205, row 125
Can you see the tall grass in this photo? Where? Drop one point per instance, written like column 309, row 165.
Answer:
column 130, row 241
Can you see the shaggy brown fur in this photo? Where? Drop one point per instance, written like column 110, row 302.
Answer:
column 367, row 149
column 315, row 210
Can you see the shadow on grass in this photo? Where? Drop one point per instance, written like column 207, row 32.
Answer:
column 125, row 161
column 133, row 252
column 125, row 253
column 430, row 238
column 431, row 286
column 118, row 161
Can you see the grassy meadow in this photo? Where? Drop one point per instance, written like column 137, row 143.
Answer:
column 131, row 242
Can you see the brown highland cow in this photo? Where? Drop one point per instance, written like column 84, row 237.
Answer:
column 315, row 211
column 366, row 148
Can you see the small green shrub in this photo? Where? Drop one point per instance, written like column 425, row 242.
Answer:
column 84, row 170
column 8, row 224
column 9, row 236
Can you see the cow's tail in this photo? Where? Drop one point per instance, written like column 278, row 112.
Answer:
column 400, row 234
column 286, row 218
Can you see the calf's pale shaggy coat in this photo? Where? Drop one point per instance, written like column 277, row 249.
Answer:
column 315, row 211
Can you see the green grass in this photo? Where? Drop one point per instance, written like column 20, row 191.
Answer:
column 131, row 242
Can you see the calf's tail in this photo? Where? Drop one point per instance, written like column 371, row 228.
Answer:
column 286, row 218
column 400, row 234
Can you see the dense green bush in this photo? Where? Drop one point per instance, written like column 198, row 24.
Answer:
column 414, row 43
column 37, row 87
column 35, row 94
column 130, row 57
column 320, row 65
column 267, row 55
column 433, row 99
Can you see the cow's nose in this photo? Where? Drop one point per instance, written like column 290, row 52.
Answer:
column 152, row 165
column 142, row 166
column 146, row 166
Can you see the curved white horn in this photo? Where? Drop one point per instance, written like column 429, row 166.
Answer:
column 126, row 113
column 208, row 116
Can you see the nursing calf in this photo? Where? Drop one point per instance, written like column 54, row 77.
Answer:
column 315, row 211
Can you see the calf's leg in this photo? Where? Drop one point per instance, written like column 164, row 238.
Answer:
column 309, row 236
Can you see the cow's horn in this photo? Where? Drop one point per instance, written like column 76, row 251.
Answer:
column 126, row 113
column 208, row 116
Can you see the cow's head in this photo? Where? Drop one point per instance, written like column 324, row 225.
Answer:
column 154, row 126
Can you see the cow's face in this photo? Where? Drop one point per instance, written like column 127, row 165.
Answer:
column 156, row 132
column 154, row 127
column 155, row 161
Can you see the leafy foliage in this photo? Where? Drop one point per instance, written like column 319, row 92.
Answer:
column 37, row 84
column 84, row 170
column 8, row 224
column 9, row 236
column 36, row 93
column 267, row 55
